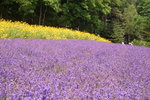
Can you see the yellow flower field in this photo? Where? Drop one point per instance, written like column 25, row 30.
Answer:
column 9, row 29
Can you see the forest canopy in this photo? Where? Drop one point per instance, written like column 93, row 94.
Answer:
column 117, row 20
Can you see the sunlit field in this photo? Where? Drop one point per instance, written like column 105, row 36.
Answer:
column 10, row 30
column 41, row 69
column 75, row 50
column 49, row 63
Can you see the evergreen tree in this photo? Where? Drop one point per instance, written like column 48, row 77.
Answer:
column 133, row 24
column 118, row 32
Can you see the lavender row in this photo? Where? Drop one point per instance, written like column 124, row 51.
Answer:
column 38, row 69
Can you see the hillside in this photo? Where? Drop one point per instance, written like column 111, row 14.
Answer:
column 73, row 70
column 9, row 29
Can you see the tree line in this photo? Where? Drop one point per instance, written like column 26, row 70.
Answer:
column 117, row 20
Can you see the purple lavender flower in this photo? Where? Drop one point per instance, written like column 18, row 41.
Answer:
column 37, row 69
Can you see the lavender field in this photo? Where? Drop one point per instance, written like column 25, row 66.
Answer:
column 38, row 69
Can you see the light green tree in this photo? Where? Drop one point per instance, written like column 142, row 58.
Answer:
column 118, row 32
column 133, row 24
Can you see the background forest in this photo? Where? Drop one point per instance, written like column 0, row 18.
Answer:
column 117, row 20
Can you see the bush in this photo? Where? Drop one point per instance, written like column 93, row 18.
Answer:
column 141, row 43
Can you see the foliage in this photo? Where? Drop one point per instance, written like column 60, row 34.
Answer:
column 144, row 11
column 141, row 43
column 10, row 29
column 133, row 23
column 94, row 16
column 118, row 35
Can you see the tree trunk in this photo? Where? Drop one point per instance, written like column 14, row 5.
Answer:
column 32, row 20
column 126, row 37
column 105, row 22
column 43, row 20
column 67, row 1
column 91, row 30
column 78, row 28
column 40, row 16
column 1, row 15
